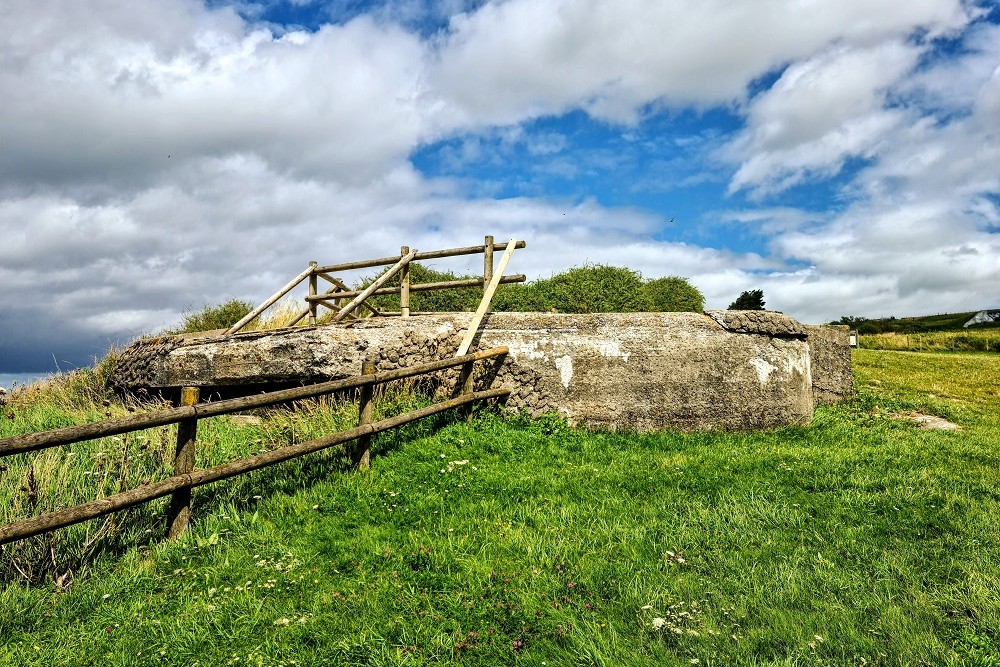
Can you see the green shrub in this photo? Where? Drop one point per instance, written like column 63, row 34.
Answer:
column 673, row 294
column 444, row 301
column 210, row 318
column 596, row 288
column 593, row 288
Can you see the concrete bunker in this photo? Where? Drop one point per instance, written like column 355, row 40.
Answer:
column 728, row 370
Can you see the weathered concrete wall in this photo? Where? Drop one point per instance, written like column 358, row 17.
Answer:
column 641, row 371
column 830, row 351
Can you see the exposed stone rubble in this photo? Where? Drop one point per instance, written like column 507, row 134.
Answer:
column 768, row 322
column 642, row 371
column 142, row 361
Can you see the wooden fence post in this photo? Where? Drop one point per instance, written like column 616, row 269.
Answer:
column 404, row 284
column 313, row 290
column 381, row 280
column 270, row 301
column 362, row 451
column 466, row 380
column 179, row 513
column 186, row 477
column 487, row 261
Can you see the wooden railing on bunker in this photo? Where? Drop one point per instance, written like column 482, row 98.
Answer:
column 186, row 477
column 346, row 302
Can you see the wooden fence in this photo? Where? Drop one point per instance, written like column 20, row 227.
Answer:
column 185, row 477
column 334, row 297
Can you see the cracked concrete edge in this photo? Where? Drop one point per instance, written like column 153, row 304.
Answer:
column 767, row 322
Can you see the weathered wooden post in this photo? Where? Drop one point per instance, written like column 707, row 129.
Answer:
column 313, row 290
column 466, row 383
column 179, row 513
column 362, row 451
column 377, row 284
column 487, row 261
column 404, row 284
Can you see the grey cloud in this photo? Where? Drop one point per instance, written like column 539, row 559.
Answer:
column 41, row 338
column 93, row 105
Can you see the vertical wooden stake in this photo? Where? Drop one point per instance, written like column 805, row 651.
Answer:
column 179, row 513
column 362, row 451
column 312, row 292
column 381, row 280
column 487, row 261
column 465, row 386
column 404, row 284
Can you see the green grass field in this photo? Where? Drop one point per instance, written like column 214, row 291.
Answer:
column 968, row 340
column 857, row 540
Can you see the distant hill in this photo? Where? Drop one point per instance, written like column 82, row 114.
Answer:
column 911, row 325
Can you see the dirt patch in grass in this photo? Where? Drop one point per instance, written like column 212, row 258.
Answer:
column 929, row 422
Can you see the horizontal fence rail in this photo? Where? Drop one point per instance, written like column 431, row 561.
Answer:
column 334, row 297
column 66, row 517
column 417, row 287
column 180, row 483
column 432, row 254
column 64, row 436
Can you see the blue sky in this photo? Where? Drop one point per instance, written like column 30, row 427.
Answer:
column 165, row 154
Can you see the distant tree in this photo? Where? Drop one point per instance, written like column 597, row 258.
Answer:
column 749, row 300
column 852, row 321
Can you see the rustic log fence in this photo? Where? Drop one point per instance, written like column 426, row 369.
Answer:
column 185, row 477
column 334, row 297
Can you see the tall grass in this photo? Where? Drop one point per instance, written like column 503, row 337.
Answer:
column 224, row 315
column 970, row 340
column 36, row 483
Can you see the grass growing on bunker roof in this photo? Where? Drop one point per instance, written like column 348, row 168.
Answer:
column 859, row 539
